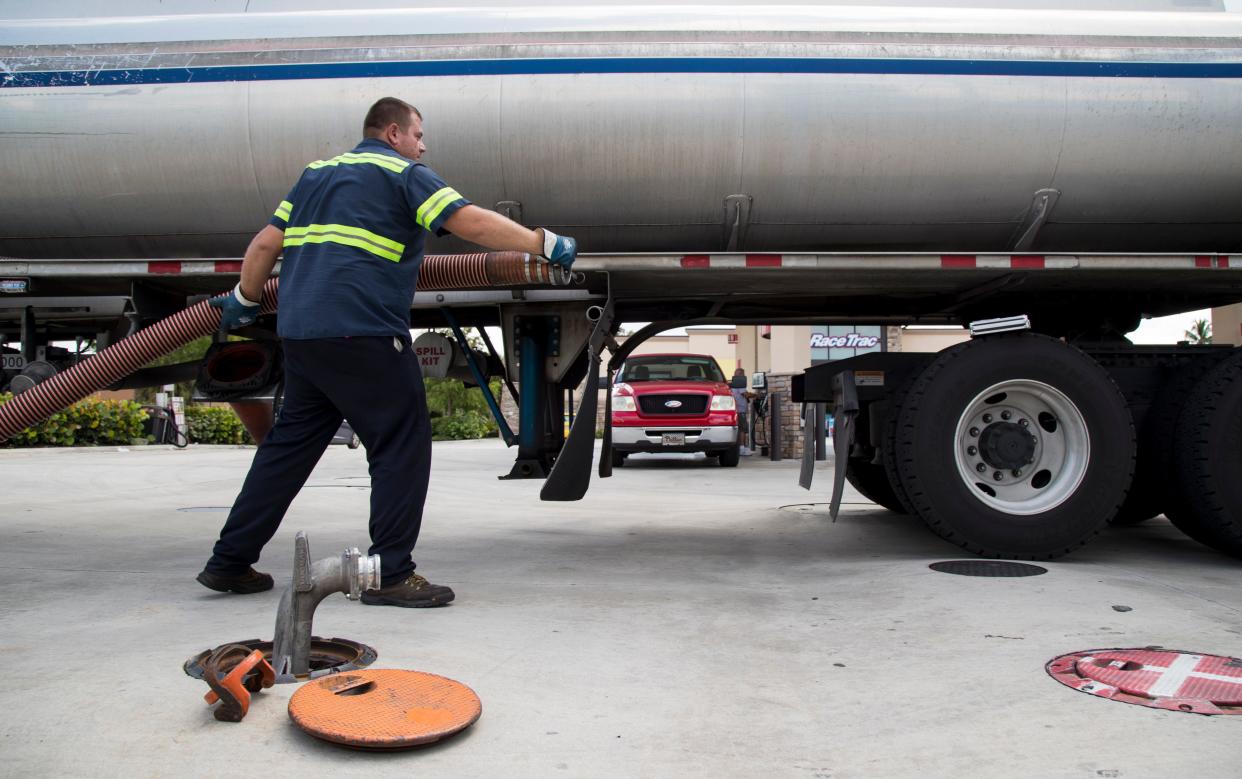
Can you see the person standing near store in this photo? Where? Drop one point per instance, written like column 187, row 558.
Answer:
column 742, row 402
column 351, row 231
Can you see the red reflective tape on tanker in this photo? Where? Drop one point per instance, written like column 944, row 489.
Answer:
column 166, row 266
column 1222, row 262
column 696, row 261
column 763, row 261
column 1203, row 262
column 1026, row 261
column 228, row 267
column 957, row 260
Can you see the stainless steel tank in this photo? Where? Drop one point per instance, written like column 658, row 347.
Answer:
column 885, row 128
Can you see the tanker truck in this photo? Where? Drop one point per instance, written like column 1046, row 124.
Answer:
column 1051, row 172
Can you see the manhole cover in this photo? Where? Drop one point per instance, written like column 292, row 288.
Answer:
column 384, row 709
column 196, row 509
column 327, row 656
column 1157, row 678
column 987, row 568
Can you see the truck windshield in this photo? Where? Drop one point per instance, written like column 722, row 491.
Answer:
column 671, row 368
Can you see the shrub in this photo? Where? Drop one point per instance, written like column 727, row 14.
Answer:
column 468, row 425
column 215, row 425
column 448, row 397
column 88, row 422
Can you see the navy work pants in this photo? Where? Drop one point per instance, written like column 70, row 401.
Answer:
column 378, row 387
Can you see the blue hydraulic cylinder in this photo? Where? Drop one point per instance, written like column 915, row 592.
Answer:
column 479, row 379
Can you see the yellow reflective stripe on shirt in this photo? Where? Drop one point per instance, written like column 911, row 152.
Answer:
column 284, row 209
column 352, row 158
column 344, row 241
column 382, row 159
column 435, row 204
column 357, row 232
column 346, row 236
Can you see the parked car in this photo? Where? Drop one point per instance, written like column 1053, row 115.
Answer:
column 346, row 435
column 673, row 403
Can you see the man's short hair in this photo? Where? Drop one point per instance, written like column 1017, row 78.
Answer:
column 386, row 111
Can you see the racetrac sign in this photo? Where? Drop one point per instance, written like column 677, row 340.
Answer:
column 844, row 341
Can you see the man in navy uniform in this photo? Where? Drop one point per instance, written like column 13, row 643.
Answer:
column 351, row 231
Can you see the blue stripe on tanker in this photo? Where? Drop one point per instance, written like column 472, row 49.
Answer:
column 507, row 67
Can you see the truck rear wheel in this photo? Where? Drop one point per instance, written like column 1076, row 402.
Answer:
column 872, row 483
column 1152, row 492
column 888, row 438
column 1016, row 446
column 1207, row 461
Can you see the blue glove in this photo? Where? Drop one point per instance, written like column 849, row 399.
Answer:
column 235, row 310
column 558, row 249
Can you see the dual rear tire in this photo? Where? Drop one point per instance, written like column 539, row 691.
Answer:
column 872, row 483
column 1206, row 498
column 1016, row 446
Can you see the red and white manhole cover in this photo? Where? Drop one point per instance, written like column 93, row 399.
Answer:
column 1158, row 678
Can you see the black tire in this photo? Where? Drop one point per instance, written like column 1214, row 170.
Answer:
column 729, row 458
column 1207, row 461
column 872, row 483
column 888, row 439
column 1130, row 515
column 1056, row 471
column 1152, row 492
column 618, row 458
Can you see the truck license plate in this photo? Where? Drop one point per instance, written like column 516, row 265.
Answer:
column 673, row 439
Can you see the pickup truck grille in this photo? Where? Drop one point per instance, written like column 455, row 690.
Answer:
column 653, row 405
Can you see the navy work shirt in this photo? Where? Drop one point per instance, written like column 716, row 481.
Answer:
column 354, row 242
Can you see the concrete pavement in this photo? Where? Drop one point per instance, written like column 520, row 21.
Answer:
column 682, row 620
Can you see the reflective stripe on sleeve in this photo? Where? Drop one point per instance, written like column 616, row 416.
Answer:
column 346, row 236
column 363, row 158
column 434, row 205
column 283, row 210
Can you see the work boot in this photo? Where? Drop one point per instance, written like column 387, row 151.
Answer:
column 242, row 584
column 414, row 593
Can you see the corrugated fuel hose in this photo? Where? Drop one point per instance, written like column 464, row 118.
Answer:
column 438, row 272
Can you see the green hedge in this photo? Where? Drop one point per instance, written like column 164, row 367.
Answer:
column 215, row 425
column 89, row 422
column 468, row 425
column 121, row 422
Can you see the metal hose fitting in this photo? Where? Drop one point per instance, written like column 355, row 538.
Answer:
column 352, row 573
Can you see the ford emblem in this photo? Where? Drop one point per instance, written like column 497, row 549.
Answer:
column 672, row 404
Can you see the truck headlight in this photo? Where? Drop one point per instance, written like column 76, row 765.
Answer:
column 625, row 403
column 723, row 403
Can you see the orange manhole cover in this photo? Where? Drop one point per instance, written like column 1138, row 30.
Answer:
column 384, row 709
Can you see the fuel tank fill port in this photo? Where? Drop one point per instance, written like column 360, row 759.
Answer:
column 327, row 656
column 293, row 653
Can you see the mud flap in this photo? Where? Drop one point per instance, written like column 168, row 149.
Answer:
column 571, row 473
column 844, row 412
column 605, row 452
column 807, row 471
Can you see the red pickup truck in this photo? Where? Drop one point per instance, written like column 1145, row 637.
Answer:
column 673, row 403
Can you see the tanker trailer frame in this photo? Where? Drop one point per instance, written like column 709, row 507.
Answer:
column 1019, row 444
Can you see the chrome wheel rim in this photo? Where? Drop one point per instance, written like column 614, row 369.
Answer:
column 1022, row 447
